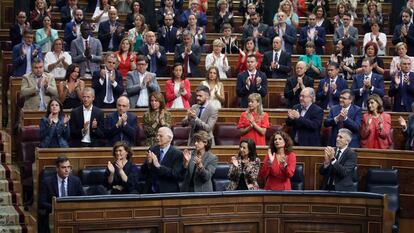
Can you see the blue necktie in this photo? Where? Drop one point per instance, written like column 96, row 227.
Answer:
column 161, row 155
column 200, row 111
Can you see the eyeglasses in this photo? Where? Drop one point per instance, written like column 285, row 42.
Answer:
column 141, row 64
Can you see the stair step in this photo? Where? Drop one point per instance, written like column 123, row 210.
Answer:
column 8, row 185
column 10, row 198
column 9, row 172
column 11, row 215
column 15, row 229
column 5, row 158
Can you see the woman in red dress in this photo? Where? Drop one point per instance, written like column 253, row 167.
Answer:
column 279, row 164
column 126, row 59
column 249, row 48
column 254, row 122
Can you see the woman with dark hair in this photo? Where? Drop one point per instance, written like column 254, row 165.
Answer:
column 216, row 87
column 54, row 130
column 70, row 90
column 254, row 122
column 57, row 60
column 312, row 60
column 121, row 176
column 178, row 89
column 222, row 15
column 371, row 51
column 323, row 4
column 101, row 13
column 199, row 165
column 376, row 125
column 344, row 58
column 249, row 48
column 244, row 168
column 126, row 60
column 279, row 164
column 198, row 33
column 156, row 117
column 135, row 10
column 322, row 19
column 372, row 12
column 46, row 35
column 377, row 37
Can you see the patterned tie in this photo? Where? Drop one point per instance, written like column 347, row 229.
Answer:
column 63, row 189
column 109, row 93
column 275, row 57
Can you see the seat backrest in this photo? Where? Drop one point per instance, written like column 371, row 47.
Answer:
column 220, row 178
column 355, row 179
column 140, row 137
column 92, row 176
column 180, row 135
column 226, row 134
column 28, row 139
column 385, row 181
column 298, row 179
column 270, row 131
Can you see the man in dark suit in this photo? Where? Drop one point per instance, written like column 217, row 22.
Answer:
column 61, row 184
column 345, row 115
column 86, row 122
column 250, row 81
column 367, row 84
column 405, row 32
column 330, row 87
column 24, row 53
column 201, row 116
column 311, row 32
column 68, row 11
column 111, row 32
column 163, row 166
column 402, row 87
column 408, row 129
column 277, row 63
column 339, row 164
column 72, row 29
column 155, row 54
column 167, row 34
column 189, row 55
column 122, row 125
column 306, row 120
column 256, row 30
column 92, row 4
column 194, row 9
column 17, row 29
column 283, row 30
column 107, row 83
column 295, row 84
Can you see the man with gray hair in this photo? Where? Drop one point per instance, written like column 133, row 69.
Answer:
column 163, row 167
column 189, row 55
column 296, row 83
column 305, row 119
column 339, row 164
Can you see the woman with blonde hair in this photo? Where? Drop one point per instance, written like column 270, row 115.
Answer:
column 57, row 60
column 254, row 122
column 286, row 6
column 216, row 87
column 401, row 50
column 217, row 59
column 372, row 12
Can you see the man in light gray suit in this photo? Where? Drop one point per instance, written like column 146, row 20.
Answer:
column 86, row 51
column 348, row 33
column 140, row 84
column 201, row 116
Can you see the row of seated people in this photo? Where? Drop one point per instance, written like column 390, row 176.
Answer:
column 165, row 167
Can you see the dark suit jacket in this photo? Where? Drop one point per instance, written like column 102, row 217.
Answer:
column 168, row 39
column 68, row 35
column 307, row 127
column 285, row 65
column 403, row 94
column 168, row 174
column 49, row 189
column 20, row 61
column 409, row 133
column 76, row 126
column 291, row 97
column 104, row 35
column 15, row 35
column 289, row 38
column 248, row 32
column 340, row 172
column 161, row 62
column 409, row 39
column 353, row 123
column 125, row 132
column 377, row 81
column 201, row 178
column 323, row 97
column 65, row 15
column 90, row 8
column 100, row 90
column 243, row 93
column 194, row 58
column 319, row 39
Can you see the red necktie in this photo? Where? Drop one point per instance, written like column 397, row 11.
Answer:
column 186, row 57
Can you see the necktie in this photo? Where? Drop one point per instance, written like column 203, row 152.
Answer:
column 330, row 93
column 161, row 155
column 252, row 79
column 88, row 68
column 200, row 111
column 186, row 57
column 275, row 58
column 153, row 63
column 62, row 189
column 109, row 94
column 338, row 155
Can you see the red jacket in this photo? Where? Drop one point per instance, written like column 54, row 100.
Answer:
column 242, row 65
column 277, row 177
column 374, row 137
column 170, row 96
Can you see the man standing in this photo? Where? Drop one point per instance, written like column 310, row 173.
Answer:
column 167, row 34
column 189, row 55
column 251, row 81
column 277, row 63
column 111, row 32
column 339, row 164
column 348, row 33
column 86, row 51
column 155, row 54
column 87, row 122
column 306, row 120
column 17, row 30
column 68, row 11
column 286, row 32
column 37, row 87
column 402, row 87
column 201, row 116
column 295, row 84
column 345, row 115
column 24, row 53
column 122, row 125
column 140, row 84
column 330, row 87
column 367, row 84
column 72, row 29
column 311, row 32
column 163, row 166
column 61, row 184
column 405, row 32
column 256, row 30
column 107, row 83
